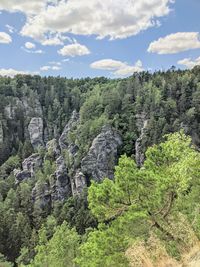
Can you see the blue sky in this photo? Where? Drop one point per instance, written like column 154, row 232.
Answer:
column 110, row 38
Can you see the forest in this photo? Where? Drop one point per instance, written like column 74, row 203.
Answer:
column 99, row 172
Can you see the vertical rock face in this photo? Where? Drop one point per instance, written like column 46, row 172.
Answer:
column 32, row 163
column 71, row 149
column 35, row 129
column 102, row 156
column 64, row 140
column 32, row 108
column 29, row 108
column 97, row 164
column 53, row 148
column 1, row 132
column 60, row 185
column 12, row 107
column 42, row 196
column 78, row 183
column 142, row 124
column 29, row 167
column 21, row 175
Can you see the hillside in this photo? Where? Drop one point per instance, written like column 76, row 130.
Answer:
column 59, row 137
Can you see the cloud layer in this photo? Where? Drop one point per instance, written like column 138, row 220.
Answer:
column 189, row 63
column 28, row 7
column 29, row 45
column 5, row 38
column 175, row 43
column 12, row 72
column 118, row 68
column 115, row 19
column 74, row 50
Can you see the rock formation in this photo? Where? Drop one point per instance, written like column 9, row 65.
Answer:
column 78, row 182
column 60, row 181
column 32, row 163
column 64, row 140
column 35, row 129
column 29, row 167
column 142, row 124
column 21, row 175
column 98, row 163
column 41, row 195
column 102, row 156
column 1, row 132
column 53, row 149
column 29, row 108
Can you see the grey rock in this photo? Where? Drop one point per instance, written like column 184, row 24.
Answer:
column 29, row 108
column 78, row 183
column 53, row 148
column 21, row 175
column 64, row 140
column 102, row 156
column 32, row 163
column 60, row 181
column 1, row 132
column 11, row 109
column 29, row 167
column 41, row 195
column 142, row 124
column 32, row 108
column 35, row 129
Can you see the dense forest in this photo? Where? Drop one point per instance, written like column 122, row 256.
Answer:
column 99, row 172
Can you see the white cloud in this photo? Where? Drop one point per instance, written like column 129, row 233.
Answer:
column 28, row 7
column 107, row 64
column 29, row 45
column 5, row 38
column 12, row 72
column 73, row 50
column 56, row 68
column 175, row 43
column 46, row 68
column 10, row 28
column 189, row 63
column 55, row 63
column 39, row 51
column 117, row 67
column 115, row 19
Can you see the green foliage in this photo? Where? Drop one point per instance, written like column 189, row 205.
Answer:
column 167, row 183
column 60, row 250
column 8, row 166
column 75, row 211
column 4, row 263
column 150, row 193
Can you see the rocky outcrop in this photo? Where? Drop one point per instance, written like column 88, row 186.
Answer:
column 79, row 182
column 53, row 149
column 69, row 148
column 21, row 175
column 32, row 163
column 142, row 124
column 32, row 108
column 29, row 107
column 1, row 132
column 60, row 182
column 102, row 156
column 29, row 167
column 15, row 104
column 64, row 140
column 41, row 196
column 35, row 129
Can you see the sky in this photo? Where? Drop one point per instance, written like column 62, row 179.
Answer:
column 90, row 38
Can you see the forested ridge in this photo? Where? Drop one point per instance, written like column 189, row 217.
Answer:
column 99, row 172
